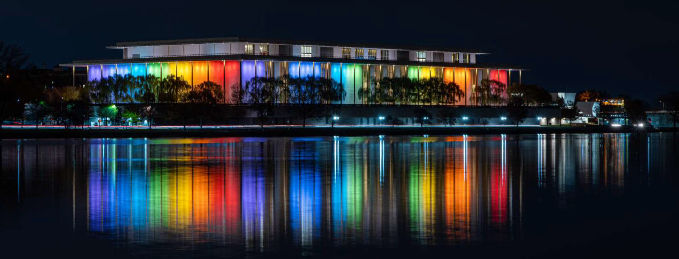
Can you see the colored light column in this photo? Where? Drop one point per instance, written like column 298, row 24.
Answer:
column 216, row 71
column 499, row 75
column 247, row 71
column 463, row 78
column 318, row 69
column 199, row 72
column 184, row 71
column 108, row 71
column 138, row 69
column 154, row 69
column 232, row 77
column 169, row 69
column 448, row 75
column 306, row 69
column 94, row 73
column 413, row 73
column 348, row 81
column 123, row 69
column 427, row 72
column 293, row 69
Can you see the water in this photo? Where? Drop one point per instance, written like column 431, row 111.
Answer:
column 556, row 195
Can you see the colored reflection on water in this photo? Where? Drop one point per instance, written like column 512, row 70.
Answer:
column 261, row 194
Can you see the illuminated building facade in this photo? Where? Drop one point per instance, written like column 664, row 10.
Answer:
column 230, row 62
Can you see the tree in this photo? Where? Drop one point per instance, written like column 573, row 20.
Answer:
column 146, row 89
column 13, row 58
column 670, row 103
column 570, row 114
column 531, row 94
column 421, row 116
column 515, row 109
column 77, row 112
column 36, row 112
column 172, row 89
column 489, row 92
column 204, row 93
column 108, row 112
column 131, row 116
column 448, row 115
column 18, row 85
column 590, row 95
column 100, row 91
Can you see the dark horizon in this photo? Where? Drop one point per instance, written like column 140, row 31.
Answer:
column 618, row 47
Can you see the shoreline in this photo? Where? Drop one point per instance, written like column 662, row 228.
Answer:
column 298, row 131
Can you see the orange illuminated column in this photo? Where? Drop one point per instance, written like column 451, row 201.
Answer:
column 457, row 192
column 184, row 71
column 463, row 78
column 216, row 71
column 448, row 75
column 231, row 78
column 199, row 72
column 200, row 199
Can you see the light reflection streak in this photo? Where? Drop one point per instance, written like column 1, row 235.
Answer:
column 259, row 192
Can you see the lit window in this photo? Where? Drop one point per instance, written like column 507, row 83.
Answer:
column 249, row 49
column 264, row 49
column 346, row 53
column 372, row 54
column 456, row 57
column 465, row 58
column 359, row 54
column 421, row 56
column 306, row 51
column 384, row 54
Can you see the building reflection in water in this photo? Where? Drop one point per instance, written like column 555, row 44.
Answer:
column 263, row 193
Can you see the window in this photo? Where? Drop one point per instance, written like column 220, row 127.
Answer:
column 358, row 54
column 326, row 52
column 402, row 55
column 249, row 49
column 421, row 56
column 372, row 54
column 438, row 56
column 465, row 58
column 346, row 53
column 264, row 49
column 456, row 57
column 306, row 52
column 384, row 54
column 284, row 50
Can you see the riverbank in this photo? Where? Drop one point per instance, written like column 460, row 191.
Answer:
column 292, row 131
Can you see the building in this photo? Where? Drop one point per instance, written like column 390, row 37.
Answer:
column 568, row 98
column 230, row 62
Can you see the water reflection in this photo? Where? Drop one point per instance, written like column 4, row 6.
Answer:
column 258, row 194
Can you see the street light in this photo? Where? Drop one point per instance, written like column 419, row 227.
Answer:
column 334, row 119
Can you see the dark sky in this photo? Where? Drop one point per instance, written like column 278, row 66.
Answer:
column 622, row 47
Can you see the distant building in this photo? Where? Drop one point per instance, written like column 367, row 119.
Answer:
column 612, row 110
column 568, row 98
column 660, row 119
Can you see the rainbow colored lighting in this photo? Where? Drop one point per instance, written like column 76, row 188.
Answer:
column 138, row 69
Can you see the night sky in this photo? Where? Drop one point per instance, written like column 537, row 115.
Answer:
column 621, row 47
